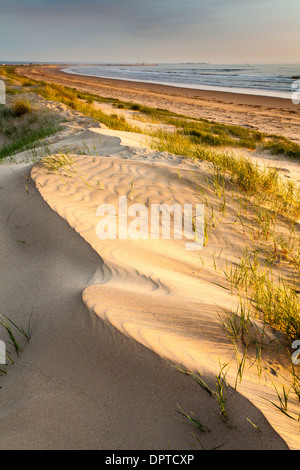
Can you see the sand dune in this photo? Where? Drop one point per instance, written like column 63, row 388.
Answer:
column 150, row 290
column 102, row 376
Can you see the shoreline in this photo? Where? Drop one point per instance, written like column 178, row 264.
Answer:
column 269, row 115
column 168, row 89
column 195, row 86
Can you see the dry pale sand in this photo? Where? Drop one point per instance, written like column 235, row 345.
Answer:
column 111, row 317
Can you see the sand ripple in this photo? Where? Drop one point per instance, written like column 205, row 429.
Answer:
column 155, row 291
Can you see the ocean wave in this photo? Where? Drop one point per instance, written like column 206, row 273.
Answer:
column 269, row 78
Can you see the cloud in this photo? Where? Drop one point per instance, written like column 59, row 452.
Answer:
column 183, row 29
column 137, row 15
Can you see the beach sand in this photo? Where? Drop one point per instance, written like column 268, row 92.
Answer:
column 110, row 318
column 270, row 115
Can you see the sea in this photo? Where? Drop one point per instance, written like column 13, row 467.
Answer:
column 277, row 80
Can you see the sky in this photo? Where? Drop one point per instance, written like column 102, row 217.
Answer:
column 109, row 31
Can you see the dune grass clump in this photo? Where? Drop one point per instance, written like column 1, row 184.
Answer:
column 53, row 163
column 263, row 183
column 13, row 91
column 219, row 135
column 28, row 138
column 276, row 302
column 74, row 100
column 111, row 120
column 21, row 106
column 64, row 165
column 27, row 83
column 59, row 93
column 279, row 145
column 279, row 304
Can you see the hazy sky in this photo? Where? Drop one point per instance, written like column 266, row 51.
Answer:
column 216, row 31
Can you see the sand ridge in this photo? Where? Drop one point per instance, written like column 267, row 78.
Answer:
column 152, row 290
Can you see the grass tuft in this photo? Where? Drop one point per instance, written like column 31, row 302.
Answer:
column 21, row 106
